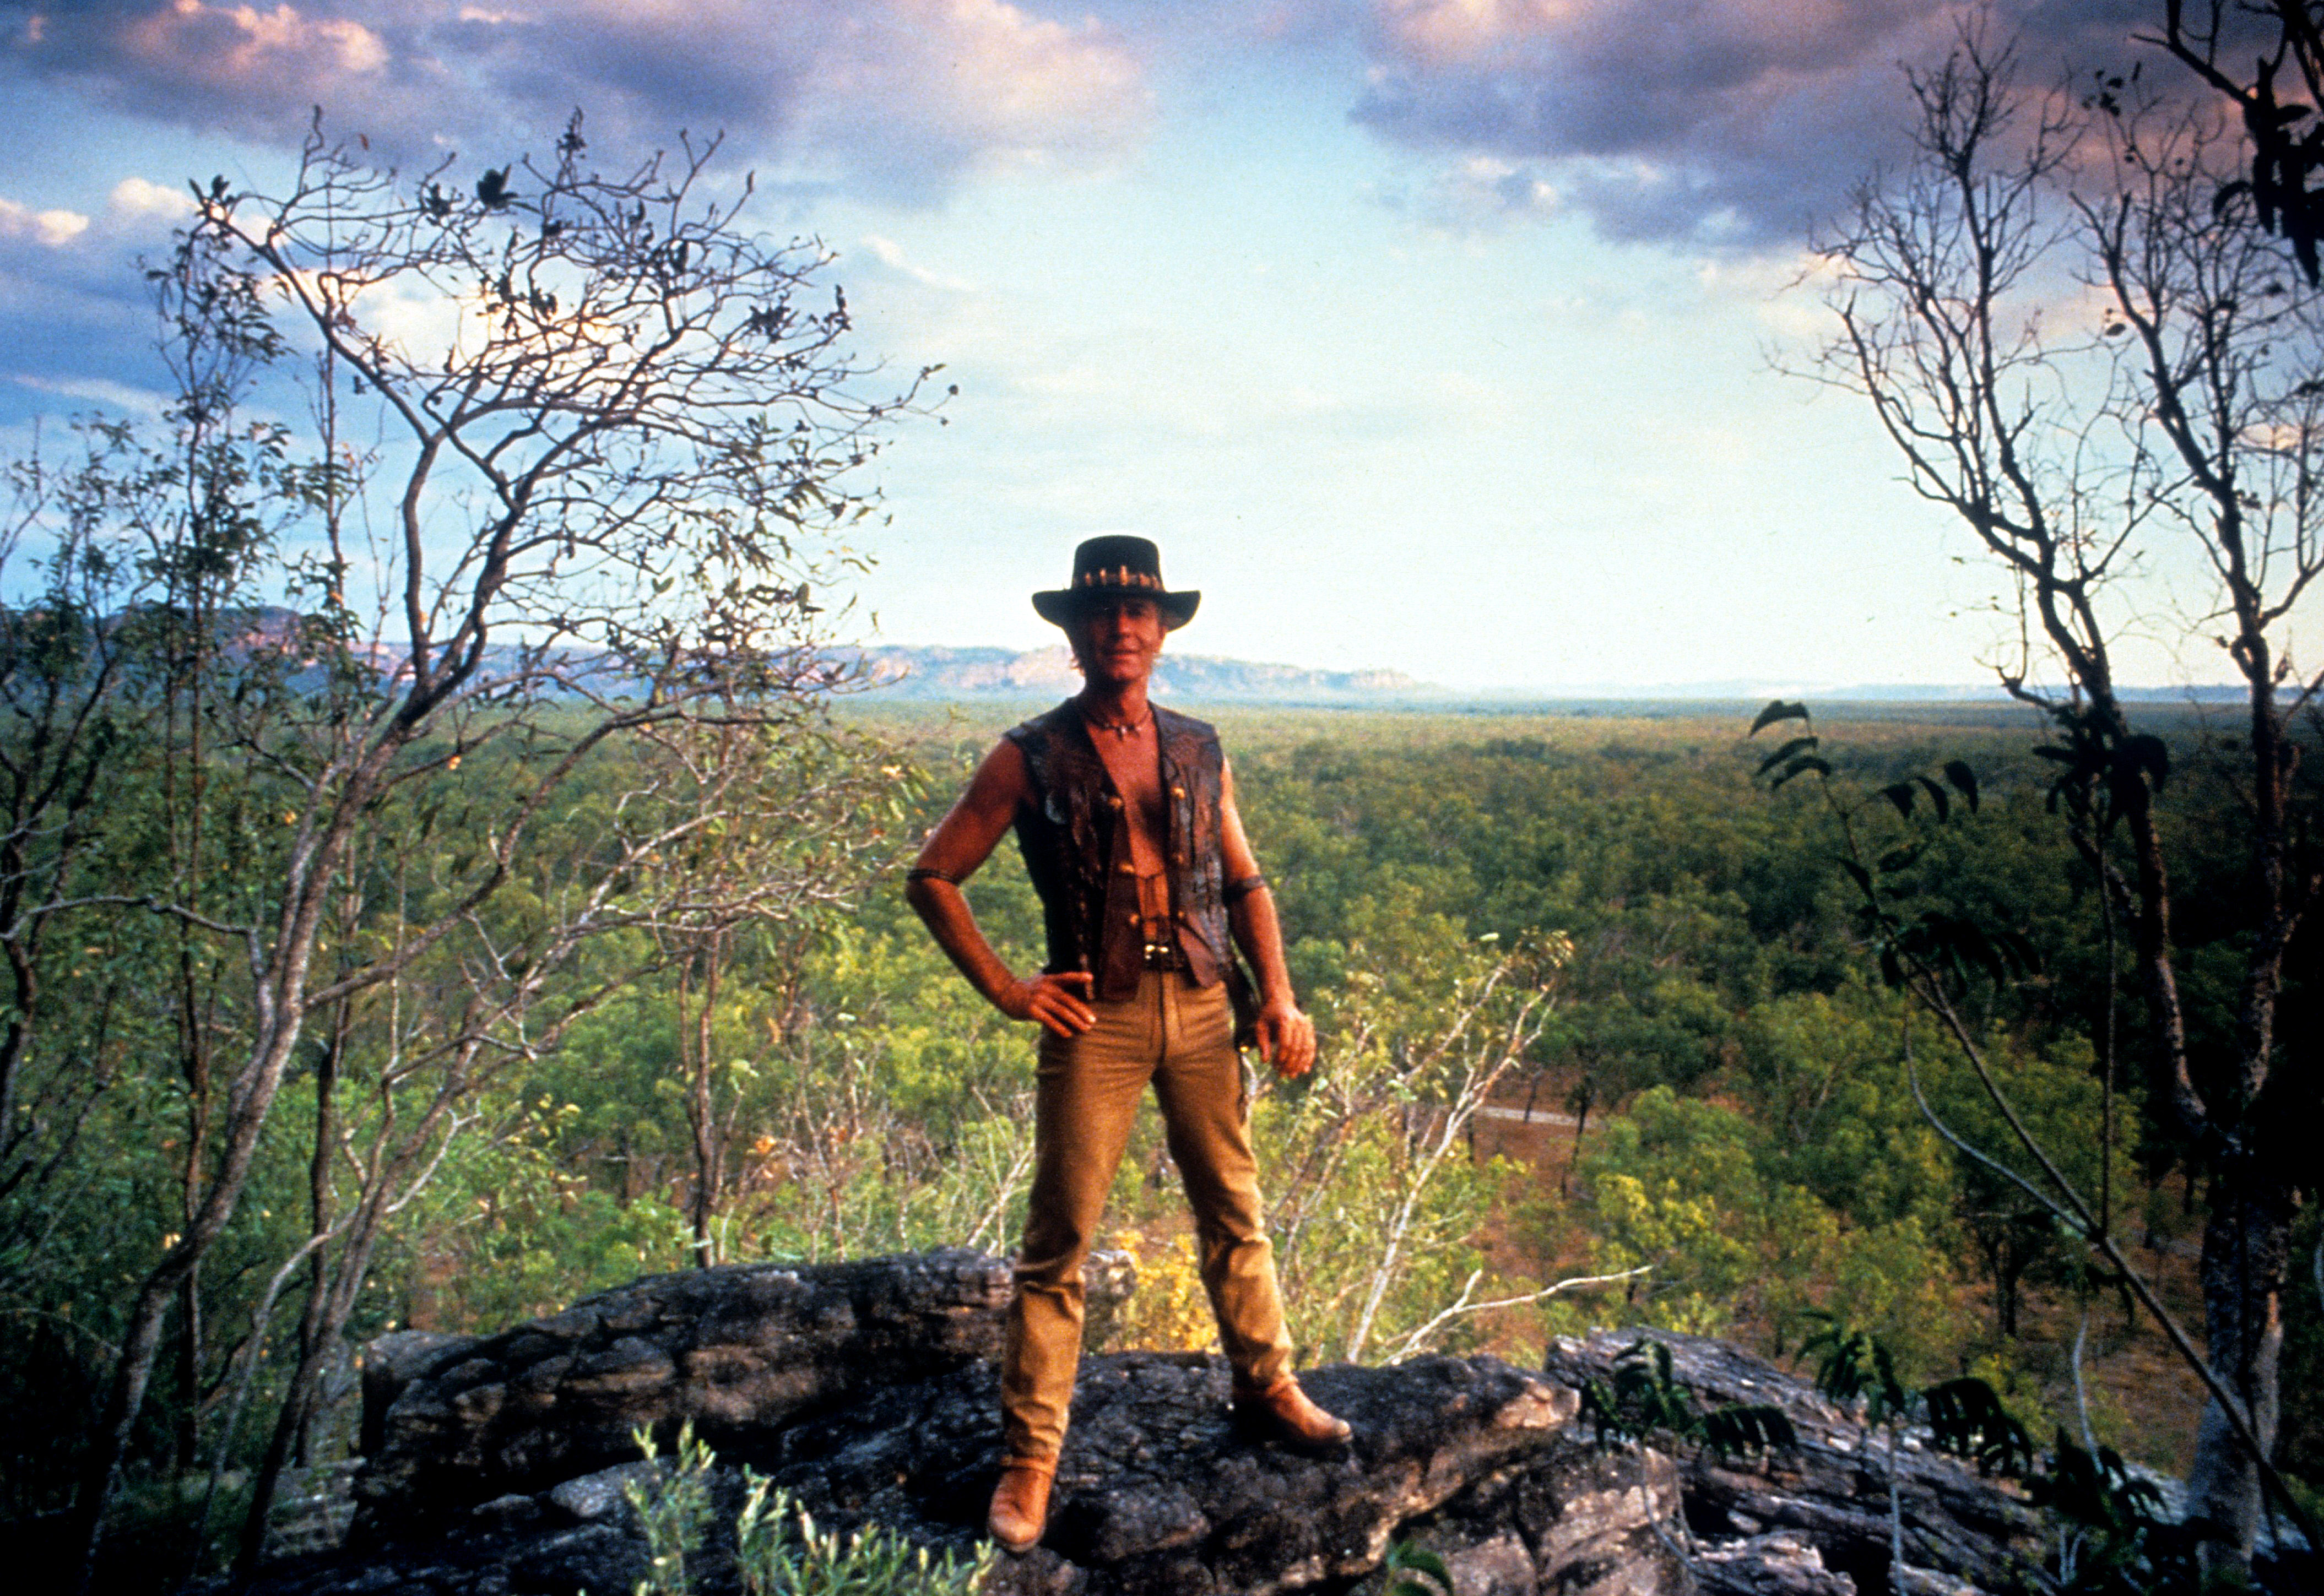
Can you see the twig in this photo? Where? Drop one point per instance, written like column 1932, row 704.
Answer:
column 1461, row 1304
column 2081, row 1395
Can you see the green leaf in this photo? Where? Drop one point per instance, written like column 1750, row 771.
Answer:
column 1937, row 796
column 1893, row 1394
column 2019, row 950
column 1797, row 745
column 1964, row 780
column 1900, row 793
column 1967, row 1418
column 1967, row 943
column 1759, row 1426
column 1804, row 762
column 1778, row 710
column 1408, row 1562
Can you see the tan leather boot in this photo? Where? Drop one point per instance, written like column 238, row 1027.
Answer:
column 1021, row 1502
column 1285, row 1413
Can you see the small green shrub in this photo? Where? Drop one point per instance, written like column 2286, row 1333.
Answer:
column 778, row 1549
column 779, row 1552
column 673, row 1508
column 1645, row 1399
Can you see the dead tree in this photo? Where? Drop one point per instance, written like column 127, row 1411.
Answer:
column 2068, row 322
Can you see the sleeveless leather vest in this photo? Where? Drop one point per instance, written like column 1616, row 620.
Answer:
column 1074, row 835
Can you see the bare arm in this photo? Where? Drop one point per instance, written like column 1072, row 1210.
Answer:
column 962, row 841
column 1286, row 1037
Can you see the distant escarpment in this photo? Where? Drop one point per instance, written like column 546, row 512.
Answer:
column 953, row 674
column 867, row 1391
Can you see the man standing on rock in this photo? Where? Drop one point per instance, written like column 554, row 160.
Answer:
column 1125, row 813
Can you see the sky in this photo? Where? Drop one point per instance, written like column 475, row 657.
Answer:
column 1446, row 336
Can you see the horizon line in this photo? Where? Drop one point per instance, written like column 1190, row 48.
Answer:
column 1735, row 687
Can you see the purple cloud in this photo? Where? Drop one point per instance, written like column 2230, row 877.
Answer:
column 1736, row 120
column 900, row 96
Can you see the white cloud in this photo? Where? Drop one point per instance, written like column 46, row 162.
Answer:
column 1459, row 32
column 135, row 199
column 891, row 254
column 1485, row 191
column 54, row 228
column 121, row 396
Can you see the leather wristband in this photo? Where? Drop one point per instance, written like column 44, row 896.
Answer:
column 924, row 873
column 1236, row 891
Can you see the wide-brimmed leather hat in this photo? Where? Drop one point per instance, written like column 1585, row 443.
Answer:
column 1116, row 566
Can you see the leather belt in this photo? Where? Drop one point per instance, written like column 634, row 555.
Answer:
column 1164, row 956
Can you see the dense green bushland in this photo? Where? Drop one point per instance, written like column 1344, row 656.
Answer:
column 1607, row 918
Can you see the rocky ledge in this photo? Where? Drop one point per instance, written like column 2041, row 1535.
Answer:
column 1756, row 1523
column 867, row 1391
column 742, row 1352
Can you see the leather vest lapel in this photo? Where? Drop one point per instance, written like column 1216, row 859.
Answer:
column 1075, row 830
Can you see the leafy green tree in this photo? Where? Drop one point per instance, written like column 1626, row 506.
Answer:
column 759, row 836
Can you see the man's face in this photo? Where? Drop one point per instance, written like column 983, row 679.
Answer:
column 1117, row 638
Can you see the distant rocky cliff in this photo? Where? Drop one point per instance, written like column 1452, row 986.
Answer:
column 941, row 674
column 496, row 1463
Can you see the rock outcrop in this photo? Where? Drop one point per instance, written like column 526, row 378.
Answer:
column 867, row 1391
column 740, row 1351
column 1801, row 1518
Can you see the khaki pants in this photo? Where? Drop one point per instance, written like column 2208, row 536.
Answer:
column 1180, row 1039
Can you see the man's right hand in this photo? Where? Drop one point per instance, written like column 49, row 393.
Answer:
column 1053, row 1003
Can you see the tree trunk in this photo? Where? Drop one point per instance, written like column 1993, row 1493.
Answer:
column 195, row 1065
column 699, row 1038
column 141, row 1340
column 187, row 1442
column 297, row 1403
column 315, row 1328
column 2247, row 1254
column 1581, row 1102
column 320, row 1328
column 332, row 1299
column 126, row 1394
